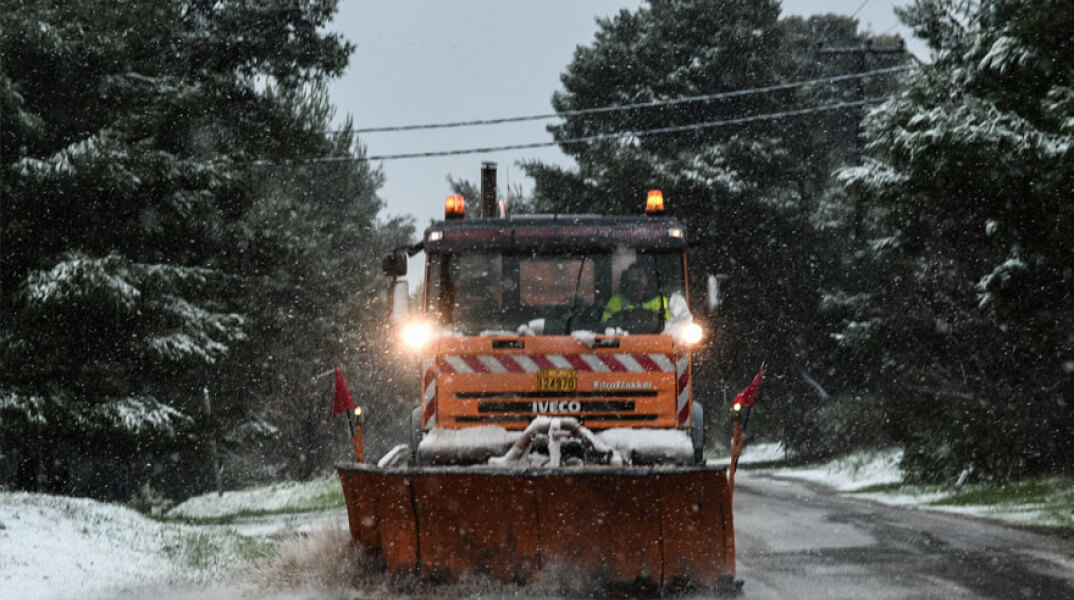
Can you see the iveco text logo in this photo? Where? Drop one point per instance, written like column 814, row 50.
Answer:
column 557, row 407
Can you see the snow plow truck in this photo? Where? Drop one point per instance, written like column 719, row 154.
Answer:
column 556, row 426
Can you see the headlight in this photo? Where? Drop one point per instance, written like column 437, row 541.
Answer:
column 417, row 334
column 691, row 334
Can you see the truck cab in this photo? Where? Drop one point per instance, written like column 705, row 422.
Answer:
column 576, row 316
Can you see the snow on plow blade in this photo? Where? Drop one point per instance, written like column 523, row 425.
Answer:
column 667, row 527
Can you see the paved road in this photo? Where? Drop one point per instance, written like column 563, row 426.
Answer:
column 797, row 540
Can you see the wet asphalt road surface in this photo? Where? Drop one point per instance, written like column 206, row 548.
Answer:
column 797, row 540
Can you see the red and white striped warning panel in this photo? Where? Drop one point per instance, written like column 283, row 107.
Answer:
column 531, row 363
column 682, row 389
column 428, row 384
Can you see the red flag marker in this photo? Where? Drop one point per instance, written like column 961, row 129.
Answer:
column 342, row 401
column 747, row 396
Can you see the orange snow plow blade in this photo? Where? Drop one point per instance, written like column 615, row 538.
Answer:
column 666, row 527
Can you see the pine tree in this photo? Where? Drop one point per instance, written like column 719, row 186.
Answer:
column 314, row 292
column 969, row 312
column 134, row 252
column 754, row 195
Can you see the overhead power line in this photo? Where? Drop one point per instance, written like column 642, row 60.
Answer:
column 579, row 140
column 859, row 9
column 651, row 104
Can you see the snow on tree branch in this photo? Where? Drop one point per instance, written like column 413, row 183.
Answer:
column 137, row 415
column 30, row 407
column 79, row 277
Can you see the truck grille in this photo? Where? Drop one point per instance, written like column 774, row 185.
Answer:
column 521, row 407
column 526, row 407
column 528, row 417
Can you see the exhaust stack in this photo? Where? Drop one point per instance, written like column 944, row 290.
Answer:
column 488, row 190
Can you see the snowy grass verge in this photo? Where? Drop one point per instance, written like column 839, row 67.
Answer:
column 851, row 472
column 282, row 498
column 59, row 547
column 875, row 475
column 755, row 454
column 1040, row 502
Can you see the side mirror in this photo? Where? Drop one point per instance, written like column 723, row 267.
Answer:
column 712, row 291
column 399, row 299
column 394, row 264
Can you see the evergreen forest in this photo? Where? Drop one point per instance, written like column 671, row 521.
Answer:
column 178, row 280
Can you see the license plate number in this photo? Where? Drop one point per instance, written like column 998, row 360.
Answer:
column 557, row 380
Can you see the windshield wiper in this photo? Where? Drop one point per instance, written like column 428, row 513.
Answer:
column 574, row 298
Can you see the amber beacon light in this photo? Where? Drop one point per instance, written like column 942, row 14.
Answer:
column 454, row 207
column 654, row 204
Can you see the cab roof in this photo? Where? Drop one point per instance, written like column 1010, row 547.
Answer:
column 556, row 233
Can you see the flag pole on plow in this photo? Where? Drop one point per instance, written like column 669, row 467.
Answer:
column 744, row 399
column 343, row 403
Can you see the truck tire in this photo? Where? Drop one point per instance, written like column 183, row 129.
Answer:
column 697, row 433
column 415, row 435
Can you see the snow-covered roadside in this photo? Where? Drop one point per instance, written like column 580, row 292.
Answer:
column 273, row 511
column 755, row 453
column 861, row 472
column 290, row 496
column 72, row 548
column 849, row 473
column 53, row 547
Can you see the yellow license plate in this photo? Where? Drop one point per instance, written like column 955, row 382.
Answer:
column 557, row 380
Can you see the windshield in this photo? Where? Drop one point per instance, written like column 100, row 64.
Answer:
column 553, row 294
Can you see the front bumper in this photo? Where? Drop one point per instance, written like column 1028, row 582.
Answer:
column 476, row 445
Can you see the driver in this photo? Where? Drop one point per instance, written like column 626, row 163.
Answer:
column 634, row 293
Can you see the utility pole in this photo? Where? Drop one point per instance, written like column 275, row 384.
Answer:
column 861, row 52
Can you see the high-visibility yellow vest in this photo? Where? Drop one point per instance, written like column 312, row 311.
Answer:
column 620, row 302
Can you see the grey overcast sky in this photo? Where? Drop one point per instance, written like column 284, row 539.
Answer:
column 435, row 61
